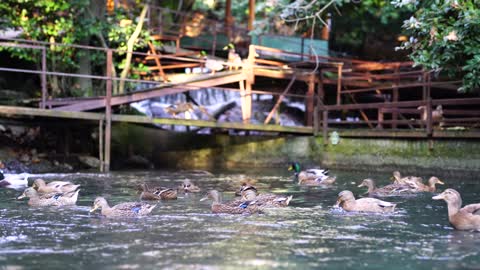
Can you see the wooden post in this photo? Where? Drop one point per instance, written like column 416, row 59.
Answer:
column 325, row 127
column 429, row 117
column 309, row 101
column 339, row 83
column 242, row 100
column 108, row 111
column 380, row 118
column 251, row 14
column 395, row 99
column 100, row 144
column 44, row 78
column 228, row 18
column 248, row 100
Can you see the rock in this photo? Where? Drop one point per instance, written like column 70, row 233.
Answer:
column 89, row 161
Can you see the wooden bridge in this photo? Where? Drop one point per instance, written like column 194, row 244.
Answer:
column 355, row 98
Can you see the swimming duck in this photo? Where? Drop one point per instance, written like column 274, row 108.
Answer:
column 347, row 201
column 188, row 186
column 14, row 181
column 265, row 200
column 406, row 180
column 128, row 209
column 158, row 193
column 311, row 176
column 388, row 190
column 54, row 186
column 421, row 187
column 228, row 208
column 466, row 218
column 49, row 199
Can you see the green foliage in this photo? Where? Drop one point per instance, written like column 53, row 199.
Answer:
column 445, row 37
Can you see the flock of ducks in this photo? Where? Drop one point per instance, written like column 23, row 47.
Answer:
column 60, row 193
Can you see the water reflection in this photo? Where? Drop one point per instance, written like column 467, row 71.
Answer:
column 185, row 234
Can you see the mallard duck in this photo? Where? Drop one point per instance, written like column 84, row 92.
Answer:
column 265, row 200
column 388, row 190
column 14, row 181
column 311, row 176
column 227, row 208
column 188, row 186
column 466, row 218
column 54, row 186
column 128, row 209
column 347, row 201
column 158, row 193
column 421, row 187
column 406, row 180
column 49, row 199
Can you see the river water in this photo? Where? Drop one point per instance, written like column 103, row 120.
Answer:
column 183, row 234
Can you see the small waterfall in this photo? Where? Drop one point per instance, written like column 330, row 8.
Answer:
column 219, row 105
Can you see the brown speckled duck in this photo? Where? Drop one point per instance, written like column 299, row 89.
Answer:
column 128, row 209
column 388, row 190
column 466, row 218
column 421, row 187
column 229, row 208
column 265, row 200
column 187, row 186
column 406, row 180
column 157, row 193
column 347, row 201
column 49, row 199
column 54, row 186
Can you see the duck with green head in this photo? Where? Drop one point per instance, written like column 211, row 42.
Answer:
column 311, row 177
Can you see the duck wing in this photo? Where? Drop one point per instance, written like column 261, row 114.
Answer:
column 472, row 209
column 138, row 208
column 378, row 202
column 317, row 172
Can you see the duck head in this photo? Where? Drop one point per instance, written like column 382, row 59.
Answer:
column 294, row 166
column 434, row 180
column 344, row 196
column 369, row 183
column 99, row 203
column 451, row 196
column 188, row 186
column 28, row 193
column 212, row 195
column 38, row 183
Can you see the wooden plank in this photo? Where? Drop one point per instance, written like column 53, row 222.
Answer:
column 279, row 101
column 155, row 92
column 282, row 74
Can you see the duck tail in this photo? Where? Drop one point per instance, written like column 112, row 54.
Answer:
column 289, row 198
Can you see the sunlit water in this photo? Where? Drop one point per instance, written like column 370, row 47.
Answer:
column 183, row 234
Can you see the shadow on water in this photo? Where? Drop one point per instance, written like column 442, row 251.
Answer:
column 184, row 234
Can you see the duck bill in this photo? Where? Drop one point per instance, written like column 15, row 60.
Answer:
column 21, row 197
column 440, row 182
column 204, row 198
column 337, row 204
column 438, row 197
column 361, row 185
column 290, row 168
column 95, row 207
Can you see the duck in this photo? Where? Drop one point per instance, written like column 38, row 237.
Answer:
column 466, row 218
column 228, row 208
column 264, row 200
column 430, row 187
column 158, row 193
column 187, row 186
column 14, row 181
column 406, row 180
column 347, row 202
column 388, row 190
column 127, row 209
column 54, row 186
column 311, row 176
column 49, row 199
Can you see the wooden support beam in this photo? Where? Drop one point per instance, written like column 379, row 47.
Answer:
column 251, row 14
column 100, row 144
column 279, row 101
column 108, row 112
column 309, row 102
column 325, row 127
column 339, row 84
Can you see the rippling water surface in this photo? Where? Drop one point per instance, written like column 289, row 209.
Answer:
column 184, row 234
